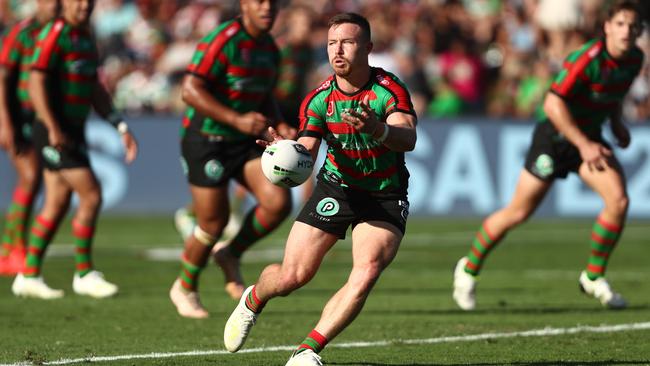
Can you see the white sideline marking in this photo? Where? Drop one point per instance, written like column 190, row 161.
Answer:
column 548, row 331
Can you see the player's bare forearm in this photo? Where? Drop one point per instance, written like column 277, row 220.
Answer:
column 401, row 134
column 560, row 116
column 195, row 93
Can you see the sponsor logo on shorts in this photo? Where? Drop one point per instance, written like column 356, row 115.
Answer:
column 544, row 165
column 184, row 166
column 327, row 207
column 52, row 155
column 213, row 169
column 405, row 209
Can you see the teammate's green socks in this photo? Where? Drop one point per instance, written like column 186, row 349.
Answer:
column 189, row 276
column 604, row 236
column 253, row 228
column 483, row 243
column 83, row 237
column 39, row 239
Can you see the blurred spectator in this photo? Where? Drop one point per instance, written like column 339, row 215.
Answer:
column 457, row 57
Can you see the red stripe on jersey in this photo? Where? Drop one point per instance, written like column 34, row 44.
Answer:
column 48, row 45
column 364, row 154
column 315, row 129
column 361, row 175
column 75, row 99
column 79, row 55
column 304, row 112
column 397, row 90
column 203, row 68
column 79, row 77
column 251, row 44
column 10, row 43
column 610, row 88
column 340, row 128
column 576, row 69
column 245, row 71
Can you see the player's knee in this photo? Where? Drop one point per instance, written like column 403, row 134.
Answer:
column 364, row 278
column 519, row 216
column 619, row 204
column 280, row 205
column 203, row 236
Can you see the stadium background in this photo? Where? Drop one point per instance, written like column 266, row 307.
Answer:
column 476, row 103
column 477, row 71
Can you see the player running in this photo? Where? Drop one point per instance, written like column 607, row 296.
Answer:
column 589, row 90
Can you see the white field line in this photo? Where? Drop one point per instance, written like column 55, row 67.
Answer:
column 548, row 331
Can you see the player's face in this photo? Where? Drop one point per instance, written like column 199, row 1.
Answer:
column 77, row 11
column 47, row 8
column 622, row 30
column 346, row 48
column 259, row 14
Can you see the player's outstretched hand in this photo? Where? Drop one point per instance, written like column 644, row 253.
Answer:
column 131, row 147
column 271, row 137
column 364, row 121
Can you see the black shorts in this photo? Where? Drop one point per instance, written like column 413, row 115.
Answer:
column 23, row 125
column 73, row 155
column 333, row 208
column 551, row 155
column 211, row 163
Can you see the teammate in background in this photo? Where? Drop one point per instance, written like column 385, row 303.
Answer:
column 63, row 87
column 588, row 90
column 296, row 59
column 366, row 116
column 228, row 88
column 16, row 118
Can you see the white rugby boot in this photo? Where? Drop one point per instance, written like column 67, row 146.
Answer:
column 464, row 286
column 188, row 304
column 34, row 287
column 600, row 289
column 94, row 285
column 239, row 324
column 306, row 357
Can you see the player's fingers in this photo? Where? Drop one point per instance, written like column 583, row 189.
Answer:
column 262, row 143
column 605, row 151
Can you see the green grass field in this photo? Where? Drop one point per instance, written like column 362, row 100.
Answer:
column 529, row 283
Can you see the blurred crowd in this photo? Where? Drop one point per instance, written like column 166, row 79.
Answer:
column 458, row 57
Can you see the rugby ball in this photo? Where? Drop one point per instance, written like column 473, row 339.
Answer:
column 287, row 163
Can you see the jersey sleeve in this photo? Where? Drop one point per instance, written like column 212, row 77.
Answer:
column 312, row 115
column 209, row 60
column 398, row 98
column 11, row 49
column 47, row 54
column 573, row 76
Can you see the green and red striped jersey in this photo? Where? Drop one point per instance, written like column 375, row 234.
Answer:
column 69, row 55
column 15, row 56
column 593, row 84
column 240, row 70
column 295, row 61
column 355, row 159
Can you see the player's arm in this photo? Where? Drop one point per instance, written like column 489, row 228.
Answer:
column 619, row 129
column 38, row 96
column 6, row 126
column 398, row 133
column 196, row 93
column 272, row 108
column 592, row 152
column 103, row 105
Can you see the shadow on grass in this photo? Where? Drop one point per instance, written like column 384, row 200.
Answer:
column 538, row 363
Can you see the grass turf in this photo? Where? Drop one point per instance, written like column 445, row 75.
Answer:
column 530, row 282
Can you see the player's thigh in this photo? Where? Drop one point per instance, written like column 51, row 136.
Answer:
column 27, row 164
column 375, row 244
column 210, row 204
column 529, row 192
column 609, row 183
column 265, row 192
column 306, row 246
column 57, row 192
column 82, row 180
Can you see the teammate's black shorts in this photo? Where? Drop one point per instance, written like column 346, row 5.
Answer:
column 212, row 163
column 73, row 155
column 23, row 126
column 333, row 208
column 551, row 155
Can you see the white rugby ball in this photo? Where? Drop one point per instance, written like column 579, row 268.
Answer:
column 287, row 163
